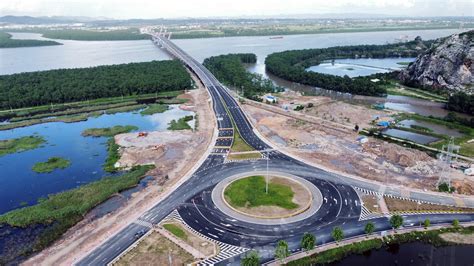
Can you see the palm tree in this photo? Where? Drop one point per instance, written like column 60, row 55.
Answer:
column 281, row 251
column 251, row 259
column 308, row 241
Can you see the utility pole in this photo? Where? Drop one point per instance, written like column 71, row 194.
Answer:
column 266, row 179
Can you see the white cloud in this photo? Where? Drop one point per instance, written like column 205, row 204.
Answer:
column 200, row 8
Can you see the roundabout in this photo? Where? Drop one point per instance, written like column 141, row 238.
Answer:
column 289, row 198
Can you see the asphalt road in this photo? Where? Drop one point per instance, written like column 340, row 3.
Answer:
column 341, row 206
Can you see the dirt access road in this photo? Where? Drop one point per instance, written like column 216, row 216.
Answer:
column 174, row 160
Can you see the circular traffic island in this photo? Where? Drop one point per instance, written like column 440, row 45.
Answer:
column 248, row 196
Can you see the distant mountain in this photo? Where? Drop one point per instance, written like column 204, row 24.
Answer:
column 46, row 20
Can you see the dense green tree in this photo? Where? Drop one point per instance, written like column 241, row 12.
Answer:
column 251, row 259
column 292, row 65
column 396, row 221
column 461, row 102
column 308, row 241
column 69, row 85
column 455, row 222
column 369, row 228
column 337, row 233
column 7, row 42
column 427, row 223
column 229, row 69
column 281, row 250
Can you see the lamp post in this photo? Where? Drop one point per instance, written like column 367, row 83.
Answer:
column 266, row 179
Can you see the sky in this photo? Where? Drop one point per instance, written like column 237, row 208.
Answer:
column 123, row 9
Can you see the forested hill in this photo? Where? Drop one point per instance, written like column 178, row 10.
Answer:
column 69, row 85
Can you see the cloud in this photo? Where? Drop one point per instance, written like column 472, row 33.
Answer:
column 200, row 8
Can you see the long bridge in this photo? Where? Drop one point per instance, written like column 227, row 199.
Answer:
column 191, row 203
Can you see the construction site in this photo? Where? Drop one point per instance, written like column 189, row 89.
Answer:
column 323, row 133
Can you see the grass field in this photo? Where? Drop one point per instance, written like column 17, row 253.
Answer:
column 250, row 192
column 51, row 164
column 20, row 144
column 244, row 156
column 154, row 109
column 108, row 131
column 239, row 143
column 176, row 230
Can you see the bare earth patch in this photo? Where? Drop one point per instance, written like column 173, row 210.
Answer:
column 302, row 198
column 400, row 205
column 336, row 147
column 371, row 203
column 201, row 245
column 156, row 249
column 458, row 238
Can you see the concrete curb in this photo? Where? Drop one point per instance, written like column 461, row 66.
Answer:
column 314, row 205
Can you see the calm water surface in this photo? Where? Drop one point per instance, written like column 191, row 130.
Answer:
column 413, row 254
column 19, row 184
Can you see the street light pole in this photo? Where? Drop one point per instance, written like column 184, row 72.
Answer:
column 266, row 179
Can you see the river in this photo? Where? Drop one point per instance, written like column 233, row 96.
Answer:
column 413, row 254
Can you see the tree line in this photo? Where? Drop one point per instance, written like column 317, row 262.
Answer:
column 461, row 102
column 70, row 85
column 229, row 69
column 292, row 65
column 7, row 42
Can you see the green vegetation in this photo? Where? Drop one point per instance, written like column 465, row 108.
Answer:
column 176, row 230
column 337, row 233
column 455, row 223
column 427, row 223
column 250, row 259
column 154, row 109
column 444, row 187
column 90, row 35
column 292, row 65
column 369, row 228
column 72, row 85
column 462, row 125
column 394, row 88
column 239, row 144
column 20, row 144
column 396, row 221
column 281, row 250
column 250, row 192
column 62, row 210
column 7, row 42
column 108, row 131
column 230, row 70
column 181, row 124
column 461, row 102
column 113, row 156
column 81, row 111
column 403, row 63
column 51, row 164
column 308, row 242
column 336, row 254
column 244, row 156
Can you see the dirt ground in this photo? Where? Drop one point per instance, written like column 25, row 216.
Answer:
column 371, row 203
column 458, row 238
column 173, row 160
column 301, row 197
column 156, row 249
column 340, row 151
column 205, row 247
column 399, row 205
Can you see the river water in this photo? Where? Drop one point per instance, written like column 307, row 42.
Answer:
column 413, row 254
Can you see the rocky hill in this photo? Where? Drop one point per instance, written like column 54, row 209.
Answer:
column 447, row 64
